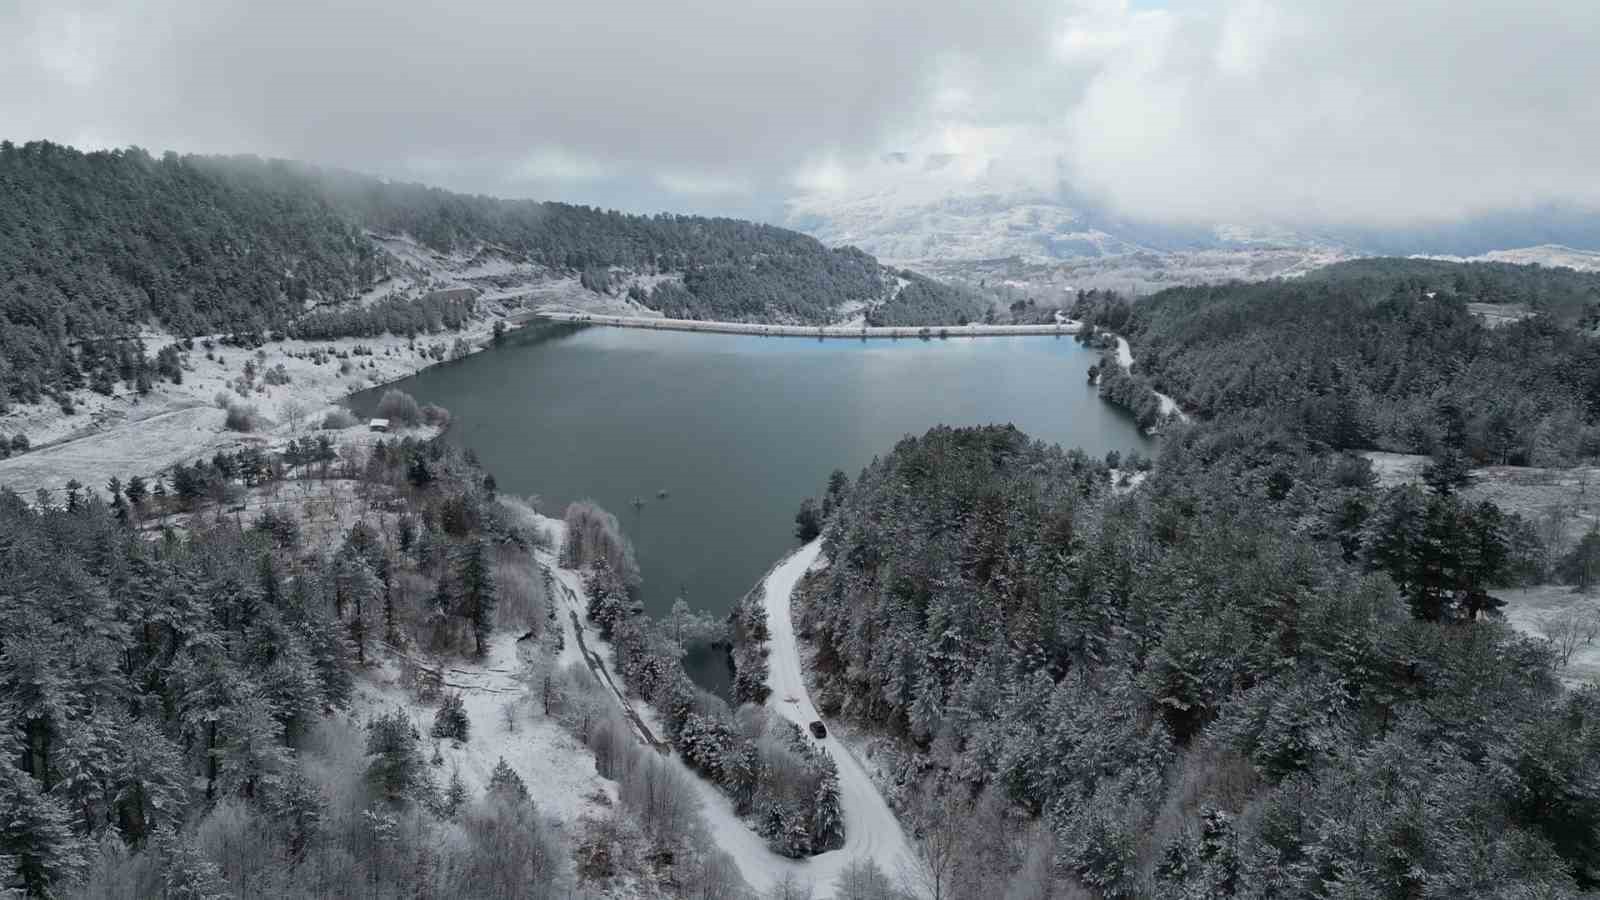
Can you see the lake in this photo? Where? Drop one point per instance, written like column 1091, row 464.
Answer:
column 737, row 430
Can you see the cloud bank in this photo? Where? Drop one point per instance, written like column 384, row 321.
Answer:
column 1354, row 112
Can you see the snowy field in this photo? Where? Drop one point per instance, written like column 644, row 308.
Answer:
column 127, row 434
column 1562, row 504
column 1540, row 611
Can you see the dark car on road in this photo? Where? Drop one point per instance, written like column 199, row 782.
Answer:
column 818, row 730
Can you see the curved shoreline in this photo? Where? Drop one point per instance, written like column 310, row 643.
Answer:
column 813, row 331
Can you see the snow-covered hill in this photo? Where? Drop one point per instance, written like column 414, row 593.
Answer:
column 945, row 207
column 953, row 216
column 1544, row 255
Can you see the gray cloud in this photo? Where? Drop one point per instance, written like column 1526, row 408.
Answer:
column 1360, row 111
column 509, row 95
column 1354, row 111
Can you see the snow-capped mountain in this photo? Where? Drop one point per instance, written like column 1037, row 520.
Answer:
column 939, row 210
column 946, row 207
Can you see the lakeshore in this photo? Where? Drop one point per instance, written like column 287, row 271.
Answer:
column 1063, row 327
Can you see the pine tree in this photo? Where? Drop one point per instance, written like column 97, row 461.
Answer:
column 795, row 839
column 118, row 505
column 35, row 835
column 505, row 784
column 927, row 709
column 186, row 873
column 451, row 719
column 827, row 818
column 250, row 751
column 478, row 598
column 357, row 594
column 455, row 795
column 86, row 759
column 397, row 768
column 298, row 807
column 1581, row 566
column 151, row 782
column 808, row 521
column 136, row 491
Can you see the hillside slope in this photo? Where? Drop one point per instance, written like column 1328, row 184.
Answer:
column 1492, row 360
column 94, row 246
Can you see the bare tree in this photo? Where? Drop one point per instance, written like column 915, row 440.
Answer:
column 1590, row 623
column 863, row 880
column 790, row 887
column 938, row 845
column 1035, row 880
column 712, row 876
column 294, row 412
column 1564, row 630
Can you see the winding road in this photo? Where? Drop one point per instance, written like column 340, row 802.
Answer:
column 871, row 829
column 1169, row 406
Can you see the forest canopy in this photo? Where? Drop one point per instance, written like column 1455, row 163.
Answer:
column 1389, row 354
column 1256, row 675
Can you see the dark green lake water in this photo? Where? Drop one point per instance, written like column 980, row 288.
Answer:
column 737, row 429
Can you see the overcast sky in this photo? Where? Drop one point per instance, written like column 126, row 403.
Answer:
column 1372, row 112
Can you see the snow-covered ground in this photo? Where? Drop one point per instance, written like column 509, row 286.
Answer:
column 1136, row 273
column 1562, row 503
column 1530, row 611
column 1543, row 254
column 127, row 434
column 1124, row 482
column 558, row 769
column 871, row 829
column 1169, row 406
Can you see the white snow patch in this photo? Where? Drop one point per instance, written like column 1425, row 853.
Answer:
column 557, row 768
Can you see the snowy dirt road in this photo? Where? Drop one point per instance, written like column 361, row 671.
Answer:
column 1169, row 406
column 871, row 830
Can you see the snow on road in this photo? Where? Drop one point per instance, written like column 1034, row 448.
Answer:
column 1169, row 406
column 871, row 829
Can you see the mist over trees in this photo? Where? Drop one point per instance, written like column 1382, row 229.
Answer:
column 94, row 245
